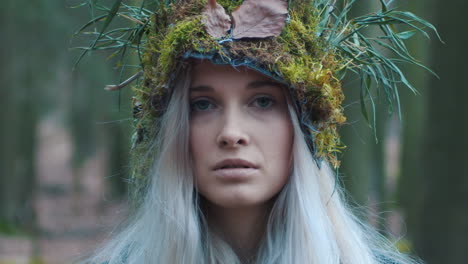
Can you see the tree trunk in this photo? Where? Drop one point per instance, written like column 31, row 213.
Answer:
column 18, row 140
column 444, row 212
column 414, row 107
column 18, row 131
column 363, row 159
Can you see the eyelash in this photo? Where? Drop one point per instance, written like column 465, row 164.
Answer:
column 269, row 98
column 194, row 105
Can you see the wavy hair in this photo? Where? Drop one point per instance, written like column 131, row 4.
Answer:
column 310, row 221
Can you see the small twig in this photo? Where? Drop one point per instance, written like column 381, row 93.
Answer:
column 131, row 19
column 331, row 7
column 123, row 84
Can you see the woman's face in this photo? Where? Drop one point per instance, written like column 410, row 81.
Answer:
column 240, row 135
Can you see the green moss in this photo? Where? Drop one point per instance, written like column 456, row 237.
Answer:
column 230, row 5
column 311, row 71
column 186, row 9
column 182, row 37
column 163, row 51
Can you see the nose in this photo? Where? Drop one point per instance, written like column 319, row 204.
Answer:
column 233, row 132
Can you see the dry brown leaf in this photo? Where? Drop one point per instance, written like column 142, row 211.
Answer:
column 259, row 18
column 216, row 21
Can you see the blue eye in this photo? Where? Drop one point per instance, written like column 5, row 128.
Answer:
column 201, row 105
column 263, row 102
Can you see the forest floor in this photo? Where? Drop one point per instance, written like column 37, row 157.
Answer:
column 74, row 210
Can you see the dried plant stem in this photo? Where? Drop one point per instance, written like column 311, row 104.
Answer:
column 123, row 84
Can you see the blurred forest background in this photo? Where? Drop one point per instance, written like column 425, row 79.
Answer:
column 64, row 141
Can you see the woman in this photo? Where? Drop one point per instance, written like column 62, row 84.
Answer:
column 236, row 183
column 237, row 134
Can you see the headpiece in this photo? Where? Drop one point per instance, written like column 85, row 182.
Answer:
column 309, row 45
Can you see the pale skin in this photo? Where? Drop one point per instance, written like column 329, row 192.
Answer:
column 240, row 140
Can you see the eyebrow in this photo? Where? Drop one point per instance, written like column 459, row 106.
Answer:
column 258, row 84
column 201, row 88
column 251, row 85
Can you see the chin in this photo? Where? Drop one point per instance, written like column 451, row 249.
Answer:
column 238, row 200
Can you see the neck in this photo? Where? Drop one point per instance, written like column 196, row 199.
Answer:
column 243, row 228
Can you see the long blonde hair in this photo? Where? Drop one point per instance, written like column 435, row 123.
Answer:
column 310, row 221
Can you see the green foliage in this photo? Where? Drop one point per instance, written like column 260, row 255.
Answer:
column 118, row 39
column 365, row 57
column 10, row 229
column 36, row 260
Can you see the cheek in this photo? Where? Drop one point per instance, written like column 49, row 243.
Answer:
column 277, row 136
column 282, row 165
column 199, row 140
column 195, row 139
column 276, row 140
column 284, row 143
column 196, row 148
column 201, row 143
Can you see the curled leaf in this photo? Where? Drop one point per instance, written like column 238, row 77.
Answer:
column 406, row 34
column 216, row 21
column 259, row 18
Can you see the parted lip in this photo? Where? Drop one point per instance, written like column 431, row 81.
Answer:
column 234, row 163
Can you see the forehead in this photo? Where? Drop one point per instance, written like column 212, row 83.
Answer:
column 205, row 73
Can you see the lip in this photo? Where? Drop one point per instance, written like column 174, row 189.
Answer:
column 242, row 170
column 236, row 174
column 234, row 164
